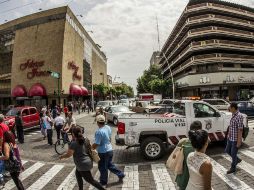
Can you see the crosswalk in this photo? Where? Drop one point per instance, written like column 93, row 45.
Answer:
column 38, row 175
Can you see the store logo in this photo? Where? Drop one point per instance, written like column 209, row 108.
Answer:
column 204, row 80
column 34, row 66
column 242, row 79
column 75, row 68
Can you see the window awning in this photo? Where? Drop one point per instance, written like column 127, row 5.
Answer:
column 84, row 91
column 75, row 90
column 19, row 91
column 37, row 90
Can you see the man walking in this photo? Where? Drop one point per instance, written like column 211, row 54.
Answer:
column 19, row 127
column 105, row 150
column 234, row 138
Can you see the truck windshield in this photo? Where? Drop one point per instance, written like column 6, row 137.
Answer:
column 12, row 112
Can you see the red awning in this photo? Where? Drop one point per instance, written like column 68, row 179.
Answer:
column 84, row 91
column 37, row 90
column 95, row 93
column 75, row 90
column 19, row 91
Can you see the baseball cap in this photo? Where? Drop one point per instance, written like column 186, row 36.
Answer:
column 100, row 119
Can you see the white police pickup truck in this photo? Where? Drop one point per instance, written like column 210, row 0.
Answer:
column 154, row 132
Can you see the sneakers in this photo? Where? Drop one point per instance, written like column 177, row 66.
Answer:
column 121, row 179
column 231, row 171
column 239, row 160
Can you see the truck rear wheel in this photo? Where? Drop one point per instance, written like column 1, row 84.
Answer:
column 152, row 148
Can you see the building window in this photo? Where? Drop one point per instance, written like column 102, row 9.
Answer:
column 228, row 65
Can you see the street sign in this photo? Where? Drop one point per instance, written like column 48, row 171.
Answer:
column 55, row 74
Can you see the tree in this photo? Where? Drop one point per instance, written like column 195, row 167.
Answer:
column 152, row 82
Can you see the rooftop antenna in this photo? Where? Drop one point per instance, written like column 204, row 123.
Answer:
column 158, row 34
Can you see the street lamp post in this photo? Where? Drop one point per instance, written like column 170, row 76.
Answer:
column 171, row 74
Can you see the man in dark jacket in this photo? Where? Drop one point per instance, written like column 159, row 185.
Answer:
column 19, row 127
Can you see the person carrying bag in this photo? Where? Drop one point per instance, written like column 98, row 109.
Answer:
column 11, row 162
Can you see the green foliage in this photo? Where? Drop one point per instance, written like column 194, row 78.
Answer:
column 123, row 89
column 152, row 82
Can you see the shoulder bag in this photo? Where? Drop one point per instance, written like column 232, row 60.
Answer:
column 175, row 160
column 93, row 154
column 12, row 164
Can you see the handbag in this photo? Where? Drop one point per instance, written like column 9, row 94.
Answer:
column 12, row 164
column 93, row 154
column 175, row 160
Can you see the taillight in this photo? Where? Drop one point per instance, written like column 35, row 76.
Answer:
column 121, row 128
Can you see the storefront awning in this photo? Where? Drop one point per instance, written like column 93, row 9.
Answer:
column 19, row 91
column 37, row 90
column 95, row 93
column 84, row 91
column 75, row 90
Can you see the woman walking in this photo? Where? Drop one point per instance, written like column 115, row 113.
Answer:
column 183, row 179
column 11, row 153
column 79, row 149
column 199, row 164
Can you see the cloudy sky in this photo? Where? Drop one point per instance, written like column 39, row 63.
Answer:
column 126, row 29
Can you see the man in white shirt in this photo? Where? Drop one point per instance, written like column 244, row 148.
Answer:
column 59, row 123
column 48, row 123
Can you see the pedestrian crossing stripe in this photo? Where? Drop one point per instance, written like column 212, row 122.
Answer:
column 159, row 175
column 69, row 182
column 230, row 179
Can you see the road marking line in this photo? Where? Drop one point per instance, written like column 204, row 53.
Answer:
column 28, row 135
column 69, row 182
column 29, row 171
column 248, row 153
column 243, row 165
column 161, row 177
column 45, row 178
column 230, row 179
column 96, row 177
column 131, row 180
column 34, row 133
column 24, row 161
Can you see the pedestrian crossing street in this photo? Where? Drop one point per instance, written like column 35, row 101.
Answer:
column 39, row 175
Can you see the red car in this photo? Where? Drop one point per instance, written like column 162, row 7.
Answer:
column 30, row 116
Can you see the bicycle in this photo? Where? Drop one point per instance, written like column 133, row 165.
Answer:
column 62, row 145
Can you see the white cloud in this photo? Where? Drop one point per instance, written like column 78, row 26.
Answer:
column 126, row 29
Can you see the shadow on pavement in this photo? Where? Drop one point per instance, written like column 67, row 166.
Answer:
column 43, row 146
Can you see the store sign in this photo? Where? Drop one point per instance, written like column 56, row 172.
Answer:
column 242, row 79
column 75, row 68
column 34, row 67
column 204, row 80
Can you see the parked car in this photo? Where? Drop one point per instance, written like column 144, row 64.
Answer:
column 124, row 102
column 167, row 102
column 113, row 112
column 246, row 107
column 103, row 104
column 220, row 104
column 30, row 116
column 144, row 107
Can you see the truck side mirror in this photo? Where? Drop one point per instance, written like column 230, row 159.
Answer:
column 217, row 114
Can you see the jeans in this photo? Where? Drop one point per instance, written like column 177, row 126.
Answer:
column 65, row 137
column 58, row 131
column 232, row 150
column 87, row 175
column 18, row 183
column 49, row 135
column 106, row 164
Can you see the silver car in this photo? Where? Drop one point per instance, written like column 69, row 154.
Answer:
column 113, row 112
